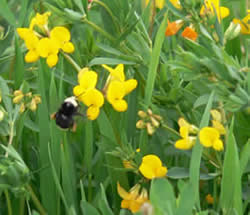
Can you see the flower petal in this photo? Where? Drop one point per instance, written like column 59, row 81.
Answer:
column 130, row 85
column 60, row 33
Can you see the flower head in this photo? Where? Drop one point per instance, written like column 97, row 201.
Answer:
column 31, row 41
column 217, row 121
column 45, row 46
column 134, row 199
column 117, row 88
column 173, row 27
column 189, row 33
column 213, row 7
column 209, row 199
column 40, row 20
column 88, row 94
column 210, row 137
column 151, row 167
column 176, row 3
column 186, row 142
column 185, row 130
column 244, row 23
column 158, row 3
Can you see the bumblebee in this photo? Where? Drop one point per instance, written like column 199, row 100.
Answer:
column 64, row 117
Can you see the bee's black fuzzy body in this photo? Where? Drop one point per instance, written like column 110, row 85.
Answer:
column 64, row 116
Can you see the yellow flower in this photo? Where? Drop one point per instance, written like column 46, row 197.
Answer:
column 176, row 3
column 210, row 5
column 151, row 167
column 216, row 122
column 31, row 42
column 186, row 142
column 191, row 128
column 87, row 79
column 48, row 48
column 118, row 88
column 94, row 100
column 62, row 36
column 244, row 23
column 40, row 20
column 132, row 200
column 116, row 74
column 88, row 94
column 210, row 137
column 158, row 3
column 116, row 92
column 1, row 115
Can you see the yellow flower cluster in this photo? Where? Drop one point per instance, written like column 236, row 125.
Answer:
column 244, row 23
column 88, row 94
column 118, row 88
column 43, row 42
column 115, row 89
column 148, row 120
column 213, row 8
column 26, row 100
column 134, row 199
column 150, row 168
column 209, row 136
column 210, row 8
column 187, row 140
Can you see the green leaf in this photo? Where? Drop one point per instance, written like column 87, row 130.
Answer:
column 88, row 209
column 194, row 171
column 88, row 145
column 103, row 203
column 6, row 13
column 244, row 157
column 160, row 36
column 162, row 196
column 109, row 61
column 231, row 194
column 19, row 64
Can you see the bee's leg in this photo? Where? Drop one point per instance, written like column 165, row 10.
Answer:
column 53, row 116
column 73, row 129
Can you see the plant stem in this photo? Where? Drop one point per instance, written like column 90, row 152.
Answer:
column 22, row 201
column 171, row 130
column 11, row 123
column 8, row 202
column 36, row 200
column 72, row 62
column 109, row 12
column 97, row 28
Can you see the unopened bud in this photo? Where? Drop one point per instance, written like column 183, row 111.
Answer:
column 140, row 124
column 18, row 93
column 127, row 164
column 142, row 114
column 150, row 112
column 29, row 94
column 232, row 31
column 22, row 108
column 150, row 128
column 158, row 117
column 32, row 105
column 0, row 96
column 37, row 99
column 1, row 115
column 17, row 99
column 155, row 123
